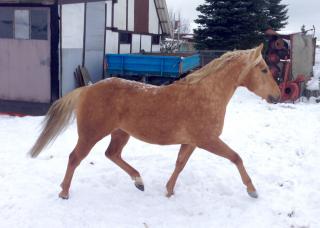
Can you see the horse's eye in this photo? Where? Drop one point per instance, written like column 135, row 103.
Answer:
column 265, row 71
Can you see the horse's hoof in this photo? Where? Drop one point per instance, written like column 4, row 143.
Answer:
column 169, row 194
column 253, row 194
column 139, row 186
column 138, row 183
column 64, row 196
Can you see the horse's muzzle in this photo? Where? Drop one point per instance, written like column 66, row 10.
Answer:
column 273, row 100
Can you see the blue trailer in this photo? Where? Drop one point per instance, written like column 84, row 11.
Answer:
column 151, row 68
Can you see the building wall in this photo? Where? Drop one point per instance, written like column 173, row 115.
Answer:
column 146, row 43
column 125, row 48
column 136, row 43
column 153, row 18
column 120, row 15
column 112, row 40
column 131, row 15
column 124, row 21
column 155, row 48
column 72, row 44
column 109, row 14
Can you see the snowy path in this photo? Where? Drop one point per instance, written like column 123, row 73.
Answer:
column 278, row 143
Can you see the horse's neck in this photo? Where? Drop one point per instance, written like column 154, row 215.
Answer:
column 223, row 83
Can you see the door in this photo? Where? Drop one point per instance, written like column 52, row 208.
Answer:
column 25, row 55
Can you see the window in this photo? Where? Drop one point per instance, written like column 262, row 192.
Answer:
column 22, row 24
column 6, row 23
column 125, row 38
column 155, row 39
column 39, row 24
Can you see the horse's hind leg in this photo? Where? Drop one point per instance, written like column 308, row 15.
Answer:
column 81, row 150
column 218, row 147
column 183, row 156
column 119, row 139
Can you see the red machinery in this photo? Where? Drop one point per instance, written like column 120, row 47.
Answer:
column 290, row 59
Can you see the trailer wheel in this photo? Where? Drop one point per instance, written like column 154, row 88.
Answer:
column 290, row 92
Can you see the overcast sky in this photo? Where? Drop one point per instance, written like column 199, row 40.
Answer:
column 301, row 12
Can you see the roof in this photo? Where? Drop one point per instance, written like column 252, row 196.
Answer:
column 165, row 23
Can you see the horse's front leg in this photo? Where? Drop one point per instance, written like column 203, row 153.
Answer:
column 218, row 147
column 183, row 156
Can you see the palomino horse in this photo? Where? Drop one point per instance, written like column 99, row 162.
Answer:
column 189, row 112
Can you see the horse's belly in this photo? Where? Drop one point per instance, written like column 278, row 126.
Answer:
column 155, row 140
column 161, row 135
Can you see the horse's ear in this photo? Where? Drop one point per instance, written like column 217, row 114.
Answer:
column 258, row 50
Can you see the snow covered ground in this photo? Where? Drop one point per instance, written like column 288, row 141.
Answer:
column 279, row 144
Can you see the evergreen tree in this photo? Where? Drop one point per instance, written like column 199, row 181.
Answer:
column 233, row 24
column 277, row 14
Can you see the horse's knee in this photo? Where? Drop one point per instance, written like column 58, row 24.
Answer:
column 236, row 159
column 74, row 159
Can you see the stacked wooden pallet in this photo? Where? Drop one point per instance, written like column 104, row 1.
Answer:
column 82, row 76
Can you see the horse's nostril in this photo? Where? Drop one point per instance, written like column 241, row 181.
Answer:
column 272, row 99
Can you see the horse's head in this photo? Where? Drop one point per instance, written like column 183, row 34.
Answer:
column 259, row 79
